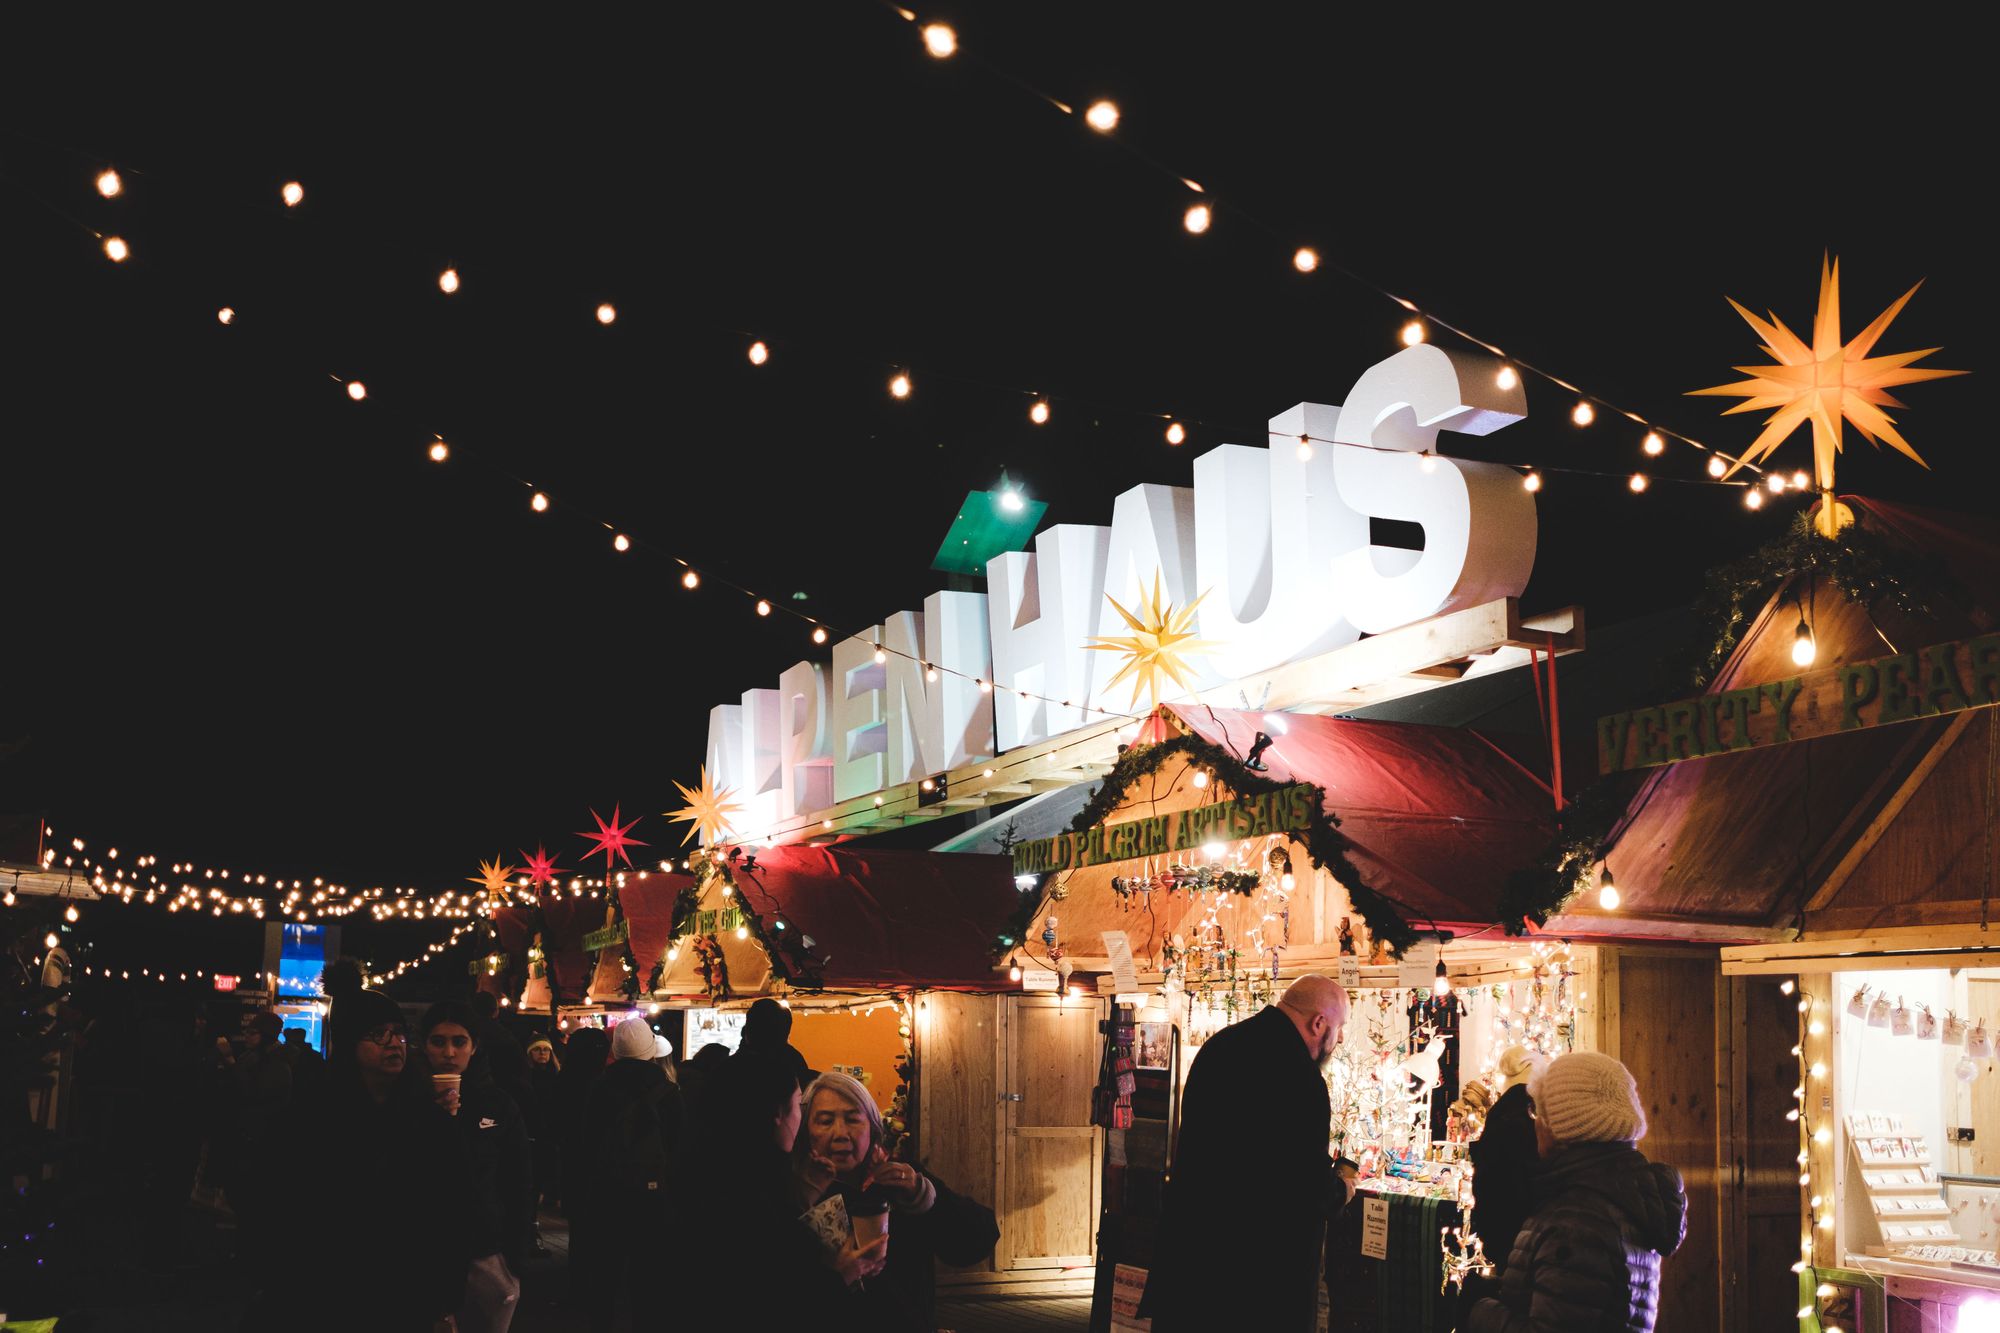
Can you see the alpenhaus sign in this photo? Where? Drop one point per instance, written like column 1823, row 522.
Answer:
column 1286, row 810
column 1926, row 682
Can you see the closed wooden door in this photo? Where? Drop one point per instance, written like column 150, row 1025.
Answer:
column 1049, row 1151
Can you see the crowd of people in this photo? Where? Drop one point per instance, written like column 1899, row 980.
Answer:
column 435, row 1147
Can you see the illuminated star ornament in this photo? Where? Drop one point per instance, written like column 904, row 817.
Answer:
column 612, row 839
column 493, row 876
column 541, row 867
column 1826, row 383
column 707, row 810
column 1159, row 646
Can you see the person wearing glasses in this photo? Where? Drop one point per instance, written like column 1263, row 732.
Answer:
column 383, row 1189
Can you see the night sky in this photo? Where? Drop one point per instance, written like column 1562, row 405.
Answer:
column 252, row 624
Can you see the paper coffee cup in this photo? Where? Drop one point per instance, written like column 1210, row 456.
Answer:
column 870, row 1226
column 443, row 1083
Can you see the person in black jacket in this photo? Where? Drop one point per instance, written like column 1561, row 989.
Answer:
column 1254, row 1123
column 632, row 1123
column 1505, row 1161
column 1587, row 1260
column 496, row 1136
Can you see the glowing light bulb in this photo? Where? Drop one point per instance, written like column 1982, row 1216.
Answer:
column 1011, row 501
column 606, row 313
column 1305, row 259
column 1014, row 972
column 292, row 193
column 356, row 390
column 1637, row 482
column 743, row 932
column 70, row 914
column 1653, row 444
column 880, row 655
column 1787, row 988
column 439, row 451
column 108, row 183
column 899, row 387
column 448, row 281
column 621, row 543
column 940, row 40
column 759, row 354
column 1102, row 116
column 819, row 634
column 1776, row 482
column 1583, row 414
column 1800, row 480
column 1197, row 218
column 1818, row 1069
column 51, row 942
column 690, row 580
column 1175, row 433
column 1305, row 448
column 1753, row 498
column 1039, row 412
column 226, row 315
column 1413, row 333
column 539, row 503
column 1716, row 467
column 763, row 607
column 1201, row 777
column 1804, row 650
column 1507, row 378
column 1607, row 891
column 1822, row 1135
column 930, row 674
column 116, row 250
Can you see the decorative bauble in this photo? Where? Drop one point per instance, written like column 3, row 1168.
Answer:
column 1966, row 1070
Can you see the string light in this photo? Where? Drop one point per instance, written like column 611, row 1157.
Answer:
column 1753, row 498
column 225, row 316
column 1039, row 412
column 880, row 656
column 293, row 194
column 1196, row 219
column 1507, row 378
column 690, row 580
column 108, row 183
column 1776, row 482
column 1607, row 890
column 1532, row 482
column 819, row 634
column 1716, row 467
column 1305, row 259
column 899, row 386
column 621, row 543
column 1102, row 116
column 1800, row 480
column 356, row 390
column 763, row 607
column 759, row 353
column 448, row 281
column 940, row 40
column 539, row 503
column 439, row 451
column 1175, row 432
column 1637, row 483
column 606, row 313
column 1583, row 414
column 1305, row 448
column 1413, row 333
column 116, row 250
column 1654, row 445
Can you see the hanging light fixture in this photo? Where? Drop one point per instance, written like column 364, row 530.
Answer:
column 1607, row 890
column 1442, row 986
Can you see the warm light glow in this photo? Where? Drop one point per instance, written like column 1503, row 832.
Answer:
column 759, row 354
column 621, row 543
column 1013, row 974
column 1583, row 414
column 116, row 250
column 51, row 942
column 1175, row 434
column 1507, row 378
column 1787, row 988
column 356, row 390
column 1804, row 650
column 108, row 183
column 1305, row 448
column 690, row 580
column 940, row 40
column 70, row 914
column 1653, row 444
column 763, row 607
column 225, row 315
column 1201, row 777
column 1011, row 501
column 606, row 313
column 819, row 634
column 1215, row 851
column 1800, row 481
column 1413, row 333
column 439, row 451
column 1818, row 1069
column 880, row 655
column 1197, row 218
column 1607, row 891
column 1039, row 412
column 1637, row 482
column 1102, row 116
column 1532, row 482
column 539, row 503
column 293, row 194
column 1716, row 467
column 1822, row 1135
column 899, row 387
column 1753, row 498
column 1305, row 259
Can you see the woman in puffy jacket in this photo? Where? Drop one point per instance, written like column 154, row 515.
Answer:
column 1603, row 1218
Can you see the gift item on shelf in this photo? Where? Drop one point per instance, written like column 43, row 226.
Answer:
column 1905, row 1198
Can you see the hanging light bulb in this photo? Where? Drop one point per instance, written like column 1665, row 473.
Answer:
column 1607, row 891
column 1305, row 448
column 940, row 40
column 606, row 313
column 1637, row 482
column 690, row 580
column 356, row 390
column 819, row 634
column 763, row 607
column 1753, row 498
column 1442, row 986
column 1800, row 480
column 1532, row 482
column 1039, row 412
column 293, row 194
column 1413, row 333
column 539, row 503
column 1201, row 777
column 1196, row 219
column 899, row 387
column 1776, row 481
column 439, row 451
column 226, row 315
column 116, row 250
column 759, row 354
column 1804, row 650
column 1102, row 116
column 70, row 914
column 1583, row 414
column 880, row 655
column 108, row 183
column 1716, row 467
column 621, row 543
column 1507, row 378
column 448, row 281
column 1305, row 259
column 1175, row 433
column 1653, row 444
column 1011, row 501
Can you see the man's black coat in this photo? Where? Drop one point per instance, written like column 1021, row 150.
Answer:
column 1244, row 1223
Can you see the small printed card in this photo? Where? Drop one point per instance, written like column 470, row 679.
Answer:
column 828, row 1220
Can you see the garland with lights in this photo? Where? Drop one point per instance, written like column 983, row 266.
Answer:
column 790, row 958
column 1324, row 843
column 1539, row 891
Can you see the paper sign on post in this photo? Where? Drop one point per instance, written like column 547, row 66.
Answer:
column 1375, row 1229
column 1035, row 978
column 1418, row 966
column 1118, row 947
column 1350, row 972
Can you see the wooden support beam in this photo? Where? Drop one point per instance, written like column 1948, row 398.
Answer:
column 1886, row 816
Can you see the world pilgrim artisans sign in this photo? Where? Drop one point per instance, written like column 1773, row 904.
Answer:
column 1287, row 810
column 1277, row 538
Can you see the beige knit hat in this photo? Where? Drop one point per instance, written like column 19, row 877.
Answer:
column 1584, row 1097
column 1515, row 1066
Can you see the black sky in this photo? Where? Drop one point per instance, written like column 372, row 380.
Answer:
column 250, row 623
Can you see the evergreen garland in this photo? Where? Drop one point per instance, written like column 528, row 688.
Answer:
column 791, row 961
column 1325, row 844
column 1563, row 870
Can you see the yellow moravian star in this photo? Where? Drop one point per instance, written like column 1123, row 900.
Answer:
column 707, row 810
column 1825, row 383
column 493, row 876
column 1159, row 646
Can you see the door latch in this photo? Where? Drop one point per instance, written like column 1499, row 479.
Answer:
column 1013, row 1096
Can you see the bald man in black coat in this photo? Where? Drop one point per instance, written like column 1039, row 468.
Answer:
column 1251, row 1188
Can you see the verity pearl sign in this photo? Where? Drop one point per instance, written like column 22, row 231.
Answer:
column 1277, row 537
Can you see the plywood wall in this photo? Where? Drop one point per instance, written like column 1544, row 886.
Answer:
column 957, row 1058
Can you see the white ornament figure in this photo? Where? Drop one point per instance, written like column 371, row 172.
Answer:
column 1423, row 1066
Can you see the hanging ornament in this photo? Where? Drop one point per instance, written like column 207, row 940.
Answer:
column 707, row 810
column 541, row 867
column 493, row 877
column 612, row 839
column 1158, row 649
column 1966, row 1070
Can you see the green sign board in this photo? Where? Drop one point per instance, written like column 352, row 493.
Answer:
column 604, row 939
column 1925, row 682
column 1286, row 810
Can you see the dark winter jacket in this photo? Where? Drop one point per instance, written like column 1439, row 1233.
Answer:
column 1588, row 1258
column 955, row 1230
column 496, row 1136
column 631, row 1126
column 1253, row 1134
column 1504, row 1165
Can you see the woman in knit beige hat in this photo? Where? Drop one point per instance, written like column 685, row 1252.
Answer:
column 1589, row 1254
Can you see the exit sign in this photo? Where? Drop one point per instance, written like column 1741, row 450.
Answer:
column 225, row 982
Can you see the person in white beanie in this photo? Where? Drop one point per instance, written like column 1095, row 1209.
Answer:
column 1587, row 1260
column 1504, row 1163
column 632, row 1126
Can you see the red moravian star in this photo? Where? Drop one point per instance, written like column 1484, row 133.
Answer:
column 541, row 867
column 612, row 839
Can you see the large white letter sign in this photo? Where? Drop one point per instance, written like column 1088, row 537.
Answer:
column 1152, row 532
column 1478, row 520
column 1041, row 611
column 958, row 728
column 763, row 759
column 906, row 699
column 860, row 734
column 808, row 767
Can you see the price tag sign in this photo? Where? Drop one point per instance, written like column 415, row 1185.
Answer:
column 1118, row 948
column 1350, row 972
column 1418, row 966
column 1375, row 1228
